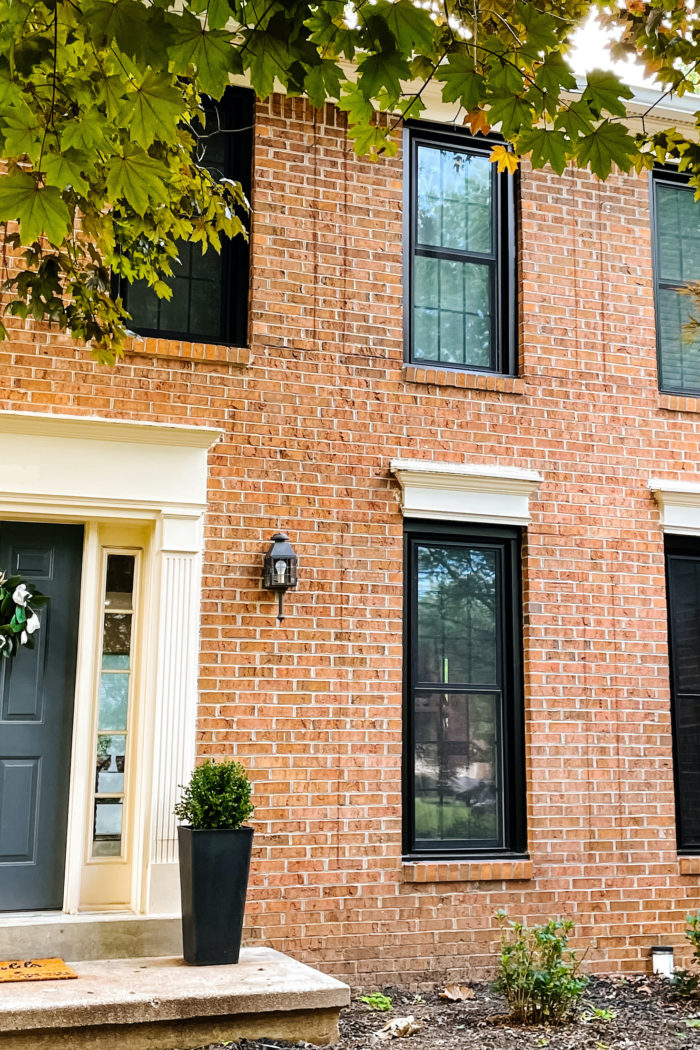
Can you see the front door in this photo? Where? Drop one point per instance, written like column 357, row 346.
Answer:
column 36, row 718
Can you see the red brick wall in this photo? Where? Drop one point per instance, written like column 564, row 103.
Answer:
column 311, row 422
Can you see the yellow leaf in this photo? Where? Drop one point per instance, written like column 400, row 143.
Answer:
column 476, row 121
column 505, row 159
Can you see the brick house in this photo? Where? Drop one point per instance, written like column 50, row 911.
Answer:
column 444, row 386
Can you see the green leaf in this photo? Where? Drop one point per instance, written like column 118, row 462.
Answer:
column 267, row 57
column 22, row 132
column 323, row 82
column 541, row 29
column 65, row 170
column 412, row 28
column 511, row 111
column 554, row 76
column 372, row 141
column 354, row 103
column 505, row 79
column 38, row 210
column 383, row 70
column 544, row 147
column 137, row 178
column 462, row 82
column 120, row 20
column 88, row 133
column 153, row 109
column 208, row 50
column 605, row 91
column 606, row 145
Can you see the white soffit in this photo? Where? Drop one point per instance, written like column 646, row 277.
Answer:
column 679, row 502
column 465, row 491
column 83, row 458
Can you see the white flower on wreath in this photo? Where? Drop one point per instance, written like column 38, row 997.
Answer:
column 23, row 638
column 21, row 594
column 4, row 640
column 33, row 623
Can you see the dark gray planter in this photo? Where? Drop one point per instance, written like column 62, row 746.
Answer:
column 214, row 868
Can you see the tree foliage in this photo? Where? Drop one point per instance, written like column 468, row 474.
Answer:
column 101, row 115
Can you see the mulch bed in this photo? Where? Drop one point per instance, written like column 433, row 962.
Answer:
column 647, row 1016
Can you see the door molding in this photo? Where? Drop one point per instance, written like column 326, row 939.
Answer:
column 92, row 471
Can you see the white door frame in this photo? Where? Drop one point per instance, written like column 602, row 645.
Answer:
column 93, row 471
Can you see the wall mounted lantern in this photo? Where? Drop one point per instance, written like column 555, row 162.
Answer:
column 280, row 569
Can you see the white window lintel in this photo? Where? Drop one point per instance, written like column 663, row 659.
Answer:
column 679, row 503
column 465, row 491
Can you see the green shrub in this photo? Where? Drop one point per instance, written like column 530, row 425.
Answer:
column 217, row 797
column 377, row 1001
column 538, row 973
column 685, row 982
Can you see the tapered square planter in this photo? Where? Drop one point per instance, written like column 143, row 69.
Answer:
column 214, row 868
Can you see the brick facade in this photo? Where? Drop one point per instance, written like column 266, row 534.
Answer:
column 312, row 418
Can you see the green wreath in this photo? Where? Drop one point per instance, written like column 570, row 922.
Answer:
column 18, row 602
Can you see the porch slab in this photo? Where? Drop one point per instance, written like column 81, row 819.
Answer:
column 163, row 1004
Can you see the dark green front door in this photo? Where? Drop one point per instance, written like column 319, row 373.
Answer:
column 37, row 690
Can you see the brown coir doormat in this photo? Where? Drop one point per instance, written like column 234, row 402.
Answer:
column 35, row 970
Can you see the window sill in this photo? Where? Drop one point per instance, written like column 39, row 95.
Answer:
column 198, row 353
column 466, row 871
column 689, row 865
column 436, row 376
column 679, row 402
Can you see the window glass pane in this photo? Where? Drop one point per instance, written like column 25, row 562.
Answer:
column 688, row 759
column 120, row 581
column 454, row 199
column 114, row 698
column 457, row 769
column 684, row 577
column 107, row 837
column 457, row 615
column 678, row 232
column 453, row 311
column 111, row 752
column 117, row 634
column 680, row 356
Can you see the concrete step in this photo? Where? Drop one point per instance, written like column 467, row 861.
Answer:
column 163, row 1004
column 103, row 935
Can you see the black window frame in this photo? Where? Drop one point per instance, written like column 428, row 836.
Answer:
column 670, row 176
column 504, row 287
column 508, row 541
column 683, row 547
column 236, row 111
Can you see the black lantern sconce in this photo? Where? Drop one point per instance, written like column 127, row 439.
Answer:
column 280, row 569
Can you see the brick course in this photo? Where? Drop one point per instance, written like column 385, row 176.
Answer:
column 312, row 417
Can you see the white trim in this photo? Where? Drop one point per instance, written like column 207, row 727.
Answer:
column 112, row 474
column 465, row 491
column 679, row 503
column 96, row 428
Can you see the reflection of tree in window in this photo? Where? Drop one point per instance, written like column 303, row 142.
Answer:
column 457, row 615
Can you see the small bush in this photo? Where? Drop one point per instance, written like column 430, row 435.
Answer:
column 377, row 1001
column 685, row 982
column 692, row 934
column 216, row 798
column 538, row 973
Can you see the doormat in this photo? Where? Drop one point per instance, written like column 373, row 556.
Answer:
column 35, row 970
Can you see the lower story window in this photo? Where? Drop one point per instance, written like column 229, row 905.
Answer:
column 683, row 575
column 464, row 778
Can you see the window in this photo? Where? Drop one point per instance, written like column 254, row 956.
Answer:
column 460, row 259
column 210, row 291
column 464, row 768
column 114, row 707
column 683, row 582
column 676, row 225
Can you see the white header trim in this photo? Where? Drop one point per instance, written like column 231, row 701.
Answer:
column 679, row 502
column 465, row 492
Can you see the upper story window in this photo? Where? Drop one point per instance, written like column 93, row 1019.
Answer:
column 464, row 776
column 676, row 225
column 460, row 255
column 210, row 292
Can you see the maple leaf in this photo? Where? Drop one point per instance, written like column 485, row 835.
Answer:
column 477, row 121
column 505, row 159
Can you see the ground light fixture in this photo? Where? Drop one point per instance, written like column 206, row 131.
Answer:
column 280, row 569
column 662, row 961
